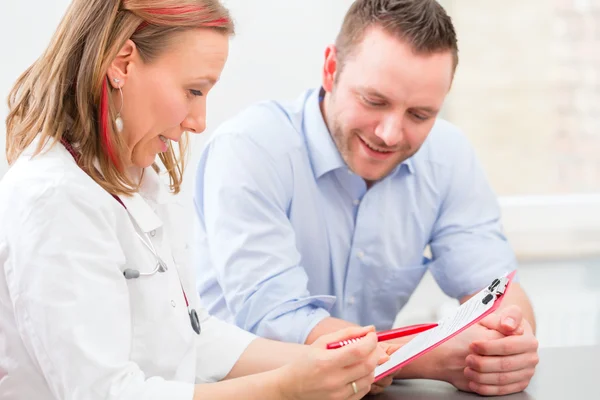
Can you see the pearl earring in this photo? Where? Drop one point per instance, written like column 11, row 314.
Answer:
column 119, row 120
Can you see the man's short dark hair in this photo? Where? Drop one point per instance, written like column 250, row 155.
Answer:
column 423, row 24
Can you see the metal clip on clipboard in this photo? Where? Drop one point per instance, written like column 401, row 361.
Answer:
column 496, row 289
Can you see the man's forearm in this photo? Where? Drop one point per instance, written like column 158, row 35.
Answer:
column 328, row 325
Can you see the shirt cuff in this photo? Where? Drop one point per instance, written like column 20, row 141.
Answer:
column 293, row 321
column 318, row 316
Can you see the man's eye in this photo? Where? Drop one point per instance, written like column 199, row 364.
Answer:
column 372, row 103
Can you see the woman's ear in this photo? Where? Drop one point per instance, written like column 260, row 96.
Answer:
column 119, row 69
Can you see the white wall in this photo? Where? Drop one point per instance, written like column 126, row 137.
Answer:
column 25, row 29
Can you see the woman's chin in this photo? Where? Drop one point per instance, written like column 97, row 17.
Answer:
column 145, row 162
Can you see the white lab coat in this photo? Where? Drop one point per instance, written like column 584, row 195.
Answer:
column 71, row 326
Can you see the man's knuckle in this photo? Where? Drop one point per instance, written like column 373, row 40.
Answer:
column 486, row 390
column 506, row 363
column 535, row 359
column 508, row 348
column 502, row 378
column 502, row 390
column 477, row 363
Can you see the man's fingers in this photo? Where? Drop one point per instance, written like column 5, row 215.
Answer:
column 491, row 390
column 506, row 321
column 499, row 378
column 487, row 364
column 510, row 319
column 392, row 348
column 505, row 346
column 491, row 321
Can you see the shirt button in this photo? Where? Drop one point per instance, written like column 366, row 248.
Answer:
column 360, row 255
column 173, row 303
column 351, row 301
column 350, row 172
column 153, row 233
column 356, row 202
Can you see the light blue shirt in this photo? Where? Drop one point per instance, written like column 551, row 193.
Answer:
column 287, row 235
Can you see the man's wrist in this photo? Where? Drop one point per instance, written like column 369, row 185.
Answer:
column 425, row 367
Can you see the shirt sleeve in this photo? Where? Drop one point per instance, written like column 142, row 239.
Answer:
column 241, row 200
column 468, row 246
column 70, row 300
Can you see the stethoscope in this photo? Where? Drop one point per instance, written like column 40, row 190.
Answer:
column 161, row 266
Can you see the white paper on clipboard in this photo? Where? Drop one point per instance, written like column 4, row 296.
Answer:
column 466, row 315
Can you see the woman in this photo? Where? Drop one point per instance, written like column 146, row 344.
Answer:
column 95, row 302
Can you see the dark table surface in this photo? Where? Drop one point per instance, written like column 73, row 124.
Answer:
column 570, row 373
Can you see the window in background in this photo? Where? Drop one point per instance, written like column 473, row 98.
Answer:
column 527, row 92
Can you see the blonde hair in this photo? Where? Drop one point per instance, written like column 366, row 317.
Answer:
column 64, row 94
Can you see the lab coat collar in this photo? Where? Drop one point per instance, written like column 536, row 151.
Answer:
column 151, row 190
column 138, row 205
column 141, row 212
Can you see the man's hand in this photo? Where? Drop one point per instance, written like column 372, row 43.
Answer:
column 496, row 356
column 503, row 365
column 386, row 349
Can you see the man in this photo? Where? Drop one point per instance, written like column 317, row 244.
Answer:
column 314, row 215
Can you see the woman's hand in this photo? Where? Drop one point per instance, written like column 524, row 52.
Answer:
column 386, row 349
column 329, row 374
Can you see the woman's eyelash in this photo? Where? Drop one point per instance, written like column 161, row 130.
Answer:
column 196, row 92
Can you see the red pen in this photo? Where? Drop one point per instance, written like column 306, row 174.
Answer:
column 387, row 335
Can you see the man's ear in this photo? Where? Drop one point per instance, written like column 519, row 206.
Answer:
column 119, row 69
column 330, row 68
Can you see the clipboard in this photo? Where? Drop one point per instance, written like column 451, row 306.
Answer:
column 473, row 310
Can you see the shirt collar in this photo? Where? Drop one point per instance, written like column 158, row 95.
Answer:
column 324, row 154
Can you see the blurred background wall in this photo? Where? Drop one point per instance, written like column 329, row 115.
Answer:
column 527, row 94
